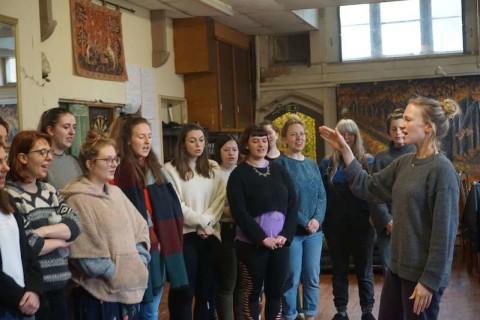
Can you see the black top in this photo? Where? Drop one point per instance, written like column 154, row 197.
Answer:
column 11, row 293
column 251, row 194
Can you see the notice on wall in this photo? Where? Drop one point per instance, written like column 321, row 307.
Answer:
column 149, row 94
column 133, row 90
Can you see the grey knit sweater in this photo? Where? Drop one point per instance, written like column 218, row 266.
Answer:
column 380, row 213
column 424, row 195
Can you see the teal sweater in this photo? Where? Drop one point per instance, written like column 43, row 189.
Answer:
column 311, row 196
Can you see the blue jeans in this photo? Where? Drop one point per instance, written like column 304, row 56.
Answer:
column 149, row 311
column 383, row 243
column 304, row 266
column 10, row 314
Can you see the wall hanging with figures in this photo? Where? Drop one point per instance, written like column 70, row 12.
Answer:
column 370, row 103
column 97, row 41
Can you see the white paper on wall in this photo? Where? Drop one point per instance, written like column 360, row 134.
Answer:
column 149, row 94
column 133, row 91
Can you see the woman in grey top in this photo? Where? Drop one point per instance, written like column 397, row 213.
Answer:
column 423, row 189
column 60, row 124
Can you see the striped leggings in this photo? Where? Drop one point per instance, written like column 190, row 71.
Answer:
column 261, row 267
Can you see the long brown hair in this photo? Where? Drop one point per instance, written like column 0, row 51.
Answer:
column 181, row 158
column 5, row 205
column 126, row 153
column 23, row 142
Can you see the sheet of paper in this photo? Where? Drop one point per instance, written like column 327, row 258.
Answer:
column 133, row 92
column 149, row 94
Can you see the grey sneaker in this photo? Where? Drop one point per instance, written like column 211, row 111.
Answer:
column 338, row 316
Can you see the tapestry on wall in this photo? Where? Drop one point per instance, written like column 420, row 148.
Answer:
column 97, row 41
column 370, row 103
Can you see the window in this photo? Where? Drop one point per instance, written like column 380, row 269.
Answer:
column 11, row 70
column 401, row 28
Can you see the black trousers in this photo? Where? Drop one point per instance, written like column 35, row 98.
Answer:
column 354, row 237
column 53, row 305
column 396, row 305
column 198, row 255
column 229, row 293
column 259, row 267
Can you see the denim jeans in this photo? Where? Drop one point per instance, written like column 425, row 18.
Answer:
column 383, row 243
column 149, row 310
column 10, row 314
column 304, row 266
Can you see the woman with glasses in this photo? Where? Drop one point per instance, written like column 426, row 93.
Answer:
column 51, row 225
column 60, row 125
column 263, row 204
column 109, row 258
column 141, row 178
column 347, row 226
column 20, row 275
column 306, row 246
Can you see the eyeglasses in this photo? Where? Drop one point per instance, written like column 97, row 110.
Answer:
column 43, row 152
column 109, row 160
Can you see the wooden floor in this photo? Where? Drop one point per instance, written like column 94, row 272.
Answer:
column 461, row 300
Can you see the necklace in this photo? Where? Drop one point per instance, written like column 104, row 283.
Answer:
column 266, row 174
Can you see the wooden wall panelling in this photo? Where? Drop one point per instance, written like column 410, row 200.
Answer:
column 201, row 91
column 243, row 88
column 194, row 43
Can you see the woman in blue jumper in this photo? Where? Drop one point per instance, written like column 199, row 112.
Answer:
column 381, row 213
column 423, row 188
column 306, row 246
column 347, row 227
column 263, row 204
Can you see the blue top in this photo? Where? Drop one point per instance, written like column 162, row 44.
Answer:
column 311, row 196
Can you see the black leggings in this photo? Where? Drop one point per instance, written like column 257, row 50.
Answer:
column 198, row 255
column 259, row 267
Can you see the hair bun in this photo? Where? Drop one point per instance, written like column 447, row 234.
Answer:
column 93, row 136
column 451, row 108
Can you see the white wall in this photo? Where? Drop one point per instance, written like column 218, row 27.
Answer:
column 58, row 49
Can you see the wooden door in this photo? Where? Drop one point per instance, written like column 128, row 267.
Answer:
column 243, row 88
column 226, row 86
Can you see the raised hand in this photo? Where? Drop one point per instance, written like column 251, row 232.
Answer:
column 336, row 140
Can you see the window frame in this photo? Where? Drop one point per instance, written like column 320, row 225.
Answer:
column 426, row 34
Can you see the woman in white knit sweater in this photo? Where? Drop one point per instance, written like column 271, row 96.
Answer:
column 201, row 190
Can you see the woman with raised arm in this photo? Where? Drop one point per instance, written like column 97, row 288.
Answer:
column 60, row 125
column 142, row 179
column 20, row 275
column 347, row 227
column 263, row 204
column 199, row 185
column 423, row 188
column 51, row 225
column 306, row 246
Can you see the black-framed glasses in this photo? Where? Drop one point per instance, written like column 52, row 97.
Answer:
column 109, row 160
column 43, row 152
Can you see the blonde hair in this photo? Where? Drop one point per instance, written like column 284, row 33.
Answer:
column 358, row 150
column 437, row 114
column 94, row 142
column 291, row 120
